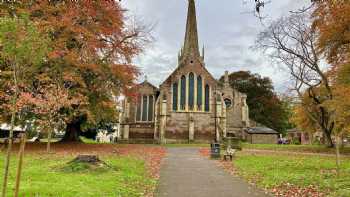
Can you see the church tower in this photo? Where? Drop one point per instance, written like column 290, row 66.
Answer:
column 190, row 105
column 190, row 48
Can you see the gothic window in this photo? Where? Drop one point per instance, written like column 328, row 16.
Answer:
column 138, row 109
column 199, row 93
column 150, row 108
column 207, row 97
column 175, row 96
column 183, row 93
column 191, row 91
column 144, row 108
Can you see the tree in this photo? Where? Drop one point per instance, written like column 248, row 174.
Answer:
column 291, row 42
column 22, row 49
column 332, row 21
column 264, row 105
column 48, row 101
column 92, row 51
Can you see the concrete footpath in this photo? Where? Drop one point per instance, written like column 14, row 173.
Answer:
column 185, row 173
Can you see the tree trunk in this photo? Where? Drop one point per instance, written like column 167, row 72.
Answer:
column 328, row 136
column 20, row 163
column 73, row 131
column 48, row 145
column 337, row 143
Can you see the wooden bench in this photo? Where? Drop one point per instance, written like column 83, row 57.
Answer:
column 229, row 153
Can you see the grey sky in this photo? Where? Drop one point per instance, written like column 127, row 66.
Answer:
column 225, row 28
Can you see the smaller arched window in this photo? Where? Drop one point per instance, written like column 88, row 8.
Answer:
column 191, row 91
column 138, row 109
column 183, row 93
column 144, row 108
column 207, row 97
column 175, row 96
column 199, row 93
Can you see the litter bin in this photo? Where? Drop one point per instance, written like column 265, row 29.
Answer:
column 215, row 150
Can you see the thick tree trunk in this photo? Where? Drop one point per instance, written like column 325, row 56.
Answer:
column 328, row 135
column 72, row 132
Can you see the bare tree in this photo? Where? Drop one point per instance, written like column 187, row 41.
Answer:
column 290, row 41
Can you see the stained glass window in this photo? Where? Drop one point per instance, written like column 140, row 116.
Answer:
column 207, row 96
column 175, row 95
column 199, row 93
column 183, row 93
column 191, row 91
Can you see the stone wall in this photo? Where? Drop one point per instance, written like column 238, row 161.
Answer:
column 178, row 126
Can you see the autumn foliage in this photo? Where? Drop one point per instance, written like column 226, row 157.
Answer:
column 92, row 45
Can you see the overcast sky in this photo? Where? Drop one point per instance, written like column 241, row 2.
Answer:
column 226, row 28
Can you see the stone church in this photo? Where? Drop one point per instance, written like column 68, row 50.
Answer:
column 189, row 106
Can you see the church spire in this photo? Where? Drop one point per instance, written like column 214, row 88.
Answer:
column 191, row 36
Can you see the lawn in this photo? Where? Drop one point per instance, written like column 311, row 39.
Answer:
column 295, row 148
column 278, row 171
column 132, row 171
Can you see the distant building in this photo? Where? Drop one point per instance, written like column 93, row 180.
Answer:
column 190, row 105
column 260, row 135
column 300, row 137
column 5, row 130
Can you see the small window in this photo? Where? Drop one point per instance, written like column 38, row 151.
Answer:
column 144, row 108
column 228, row 102
column 150, row 108
column 175, row 96
column 207, row 97
column 138, row 109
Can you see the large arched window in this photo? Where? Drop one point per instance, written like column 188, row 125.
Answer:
column 145, row 108
column 175, row 95
column 207, row 96
column 183, row 93
column 191, row 91
column 199, row 93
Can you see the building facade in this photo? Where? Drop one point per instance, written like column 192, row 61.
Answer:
column 190, row 105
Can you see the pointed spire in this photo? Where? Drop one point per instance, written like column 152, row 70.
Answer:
column 191, row 36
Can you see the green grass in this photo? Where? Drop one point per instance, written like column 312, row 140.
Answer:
column 272, row 170
column 43, row 176
column 295, row 148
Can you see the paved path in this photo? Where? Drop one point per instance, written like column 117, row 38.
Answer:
column 187, row 174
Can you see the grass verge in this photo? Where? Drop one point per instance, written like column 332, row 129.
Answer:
column 295, row 148
column 276, row 171
column 42, row 176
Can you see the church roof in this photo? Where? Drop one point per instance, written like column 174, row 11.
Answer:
column 260, row 130
column 146, row 83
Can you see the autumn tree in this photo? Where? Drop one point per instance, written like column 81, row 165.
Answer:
column 93, row 45
column 48, row 102
column 291, row 42
column 264, row 105
column 22, row 49
column 331, row 20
